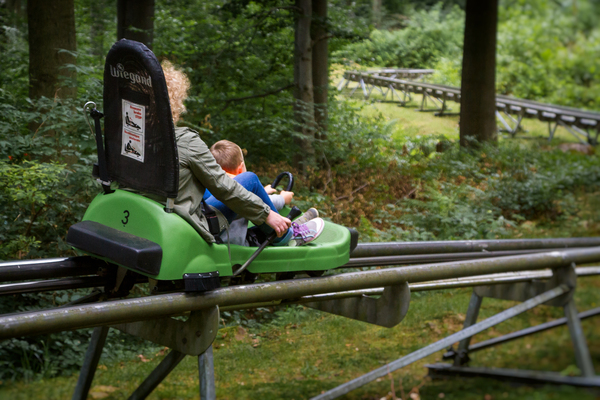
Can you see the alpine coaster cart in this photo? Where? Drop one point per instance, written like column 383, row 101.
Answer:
column 144, row 240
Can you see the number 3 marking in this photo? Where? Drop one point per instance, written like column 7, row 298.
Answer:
column 126, row 220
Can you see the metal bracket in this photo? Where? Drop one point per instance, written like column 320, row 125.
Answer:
column 522, row 291
column 388, row 310
column 191, row 337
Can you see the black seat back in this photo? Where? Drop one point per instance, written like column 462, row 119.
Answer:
column 139, row 136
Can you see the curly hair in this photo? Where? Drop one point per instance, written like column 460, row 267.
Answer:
column 178, row 85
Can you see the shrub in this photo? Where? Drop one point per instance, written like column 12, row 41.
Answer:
column 483, row 194
column 427, row 36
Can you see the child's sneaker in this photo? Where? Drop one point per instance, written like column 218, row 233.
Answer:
column 311, row 213
column 306, row 232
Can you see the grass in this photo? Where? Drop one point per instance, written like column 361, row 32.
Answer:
column 302, row 352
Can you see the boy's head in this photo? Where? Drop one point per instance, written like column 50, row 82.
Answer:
column 229, row 156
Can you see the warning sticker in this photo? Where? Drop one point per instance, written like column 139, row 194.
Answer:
column 134, row 116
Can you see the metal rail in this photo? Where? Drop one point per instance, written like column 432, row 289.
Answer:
column 152, row 307
column 20, row 270
column 455, row 283
column 365, row 255
column 441, row 344
column 53, row 284
column 492, row 279
column 444, row 257
column 464, row 246
column 529, row 331
column 579, row 123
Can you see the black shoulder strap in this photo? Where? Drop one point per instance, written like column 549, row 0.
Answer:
column 213, row 221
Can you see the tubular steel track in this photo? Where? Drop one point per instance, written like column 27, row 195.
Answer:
column 544, row 268
column 583, row 125
column 136, row 309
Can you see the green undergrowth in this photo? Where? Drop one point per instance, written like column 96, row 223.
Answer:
column 486, row 193
column 299, row 352
column 521, row 187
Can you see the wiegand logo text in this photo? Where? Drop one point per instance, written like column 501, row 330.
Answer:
column 119, row 72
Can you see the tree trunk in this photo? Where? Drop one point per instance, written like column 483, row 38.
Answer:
column 135, row 20
column 97, row 27
column 51, row 30
column 14, row 16
column 478, row 88
column 304, row 104
column 320, row 65
column 376, row 12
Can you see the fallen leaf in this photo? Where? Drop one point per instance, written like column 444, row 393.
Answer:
column 142, row 358
column 240, row 334
column 101, row 391
column 162, row 352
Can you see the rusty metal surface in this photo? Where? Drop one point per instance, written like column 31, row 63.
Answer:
column 152, row 307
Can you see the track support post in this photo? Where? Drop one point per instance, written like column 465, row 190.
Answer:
column 461, row 357
column 192, row 337
column 582, row 352
column 206, row 370
column 523, row 291
column 90, row 363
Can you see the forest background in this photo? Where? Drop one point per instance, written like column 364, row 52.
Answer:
column 387, row 180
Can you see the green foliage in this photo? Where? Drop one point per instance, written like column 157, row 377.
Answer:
column 544, row 52
column 487, row 193
column 427, row 36
column 46, row 183
column 26, row 189
column 239, row 56
column 543, row 49
column 240, row 60
column 60, row 353
column 354, row 137
column 46, row 155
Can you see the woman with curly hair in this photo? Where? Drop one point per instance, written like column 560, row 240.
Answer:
column 199, row 171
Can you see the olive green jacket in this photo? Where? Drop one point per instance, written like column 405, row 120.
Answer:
column 198, row 171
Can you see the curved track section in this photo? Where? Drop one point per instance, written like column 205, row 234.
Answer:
column 510, row 111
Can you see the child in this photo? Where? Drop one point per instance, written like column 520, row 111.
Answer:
column 231, row 158
column 199, row 171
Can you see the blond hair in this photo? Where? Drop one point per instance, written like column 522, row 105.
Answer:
column 228, row 155
column 178, row 85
